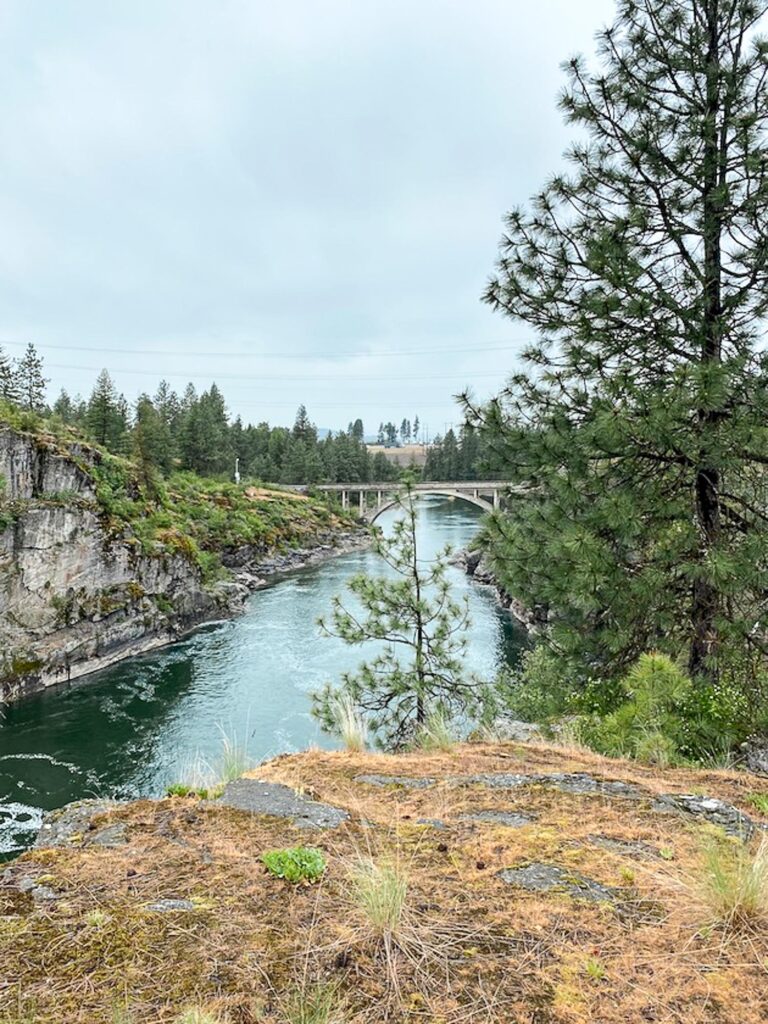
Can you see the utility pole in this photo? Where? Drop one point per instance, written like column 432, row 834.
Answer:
column 237, row 471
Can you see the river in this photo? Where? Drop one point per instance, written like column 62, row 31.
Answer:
column 132, row 729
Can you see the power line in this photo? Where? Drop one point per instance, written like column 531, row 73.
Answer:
column 353, row 354
column 339, row 378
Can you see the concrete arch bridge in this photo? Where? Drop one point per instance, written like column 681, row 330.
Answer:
column 373, row 499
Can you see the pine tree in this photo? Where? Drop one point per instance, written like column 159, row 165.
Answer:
column 9, row 384
column 151, row 442
column 31, row 380
column 64, row 408
column 303, row 428
column 416, row 427
column 105, row 416
column 421, row 671
column 640, row 426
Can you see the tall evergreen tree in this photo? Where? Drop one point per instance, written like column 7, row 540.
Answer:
column 303, row 428
column 31, row 380
column 151, row 441
column 641, row 425
column 64, row 408
column 105, row 417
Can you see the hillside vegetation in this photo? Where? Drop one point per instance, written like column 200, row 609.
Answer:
column 198, row 517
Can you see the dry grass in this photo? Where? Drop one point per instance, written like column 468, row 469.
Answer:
column 350, row 725
column 465, row 947
column 734, row 885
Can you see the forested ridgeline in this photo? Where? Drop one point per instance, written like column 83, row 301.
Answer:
column 192, row 431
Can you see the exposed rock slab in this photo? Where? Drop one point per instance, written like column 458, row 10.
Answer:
column 567, row 782
column 403, row 781
column 62, row 827
column 550, row 878
column 167, row 906
column 509, row 819
column 625, row 847
column 717, row 812
column 279, row 801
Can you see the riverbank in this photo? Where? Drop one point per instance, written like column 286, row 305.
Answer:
column 534, row 883
column 475, row 564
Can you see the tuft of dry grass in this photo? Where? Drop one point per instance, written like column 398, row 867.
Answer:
column 379, row 890
column 350, row 724
column 734, row 885
column 316, row 1003
column 437, row 734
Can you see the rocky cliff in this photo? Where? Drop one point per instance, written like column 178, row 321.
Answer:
column 92, row 572
column 75, row 596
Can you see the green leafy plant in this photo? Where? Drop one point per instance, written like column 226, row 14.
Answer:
column 295, row 864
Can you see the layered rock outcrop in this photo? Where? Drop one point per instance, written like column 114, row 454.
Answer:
column 74, row 596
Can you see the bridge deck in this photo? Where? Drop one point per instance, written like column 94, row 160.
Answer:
column 425, row 485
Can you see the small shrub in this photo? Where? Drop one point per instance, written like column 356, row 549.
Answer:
column 295, row 864
column 594, row 969
column 734, row 885
column 649, row 724
column 539, row 691
column 380, row 891
column 182, row 790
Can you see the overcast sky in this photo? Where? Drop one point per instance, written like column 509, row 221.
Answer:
column 301, row 200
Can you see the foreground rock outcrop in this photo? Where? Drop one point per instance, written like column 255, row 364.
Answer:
column 538, row 885
column 84, row 582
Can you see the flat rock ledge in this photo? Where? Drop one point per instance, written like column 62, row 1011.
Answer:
column 717, row 812
column 74, row 822
column 278, row 801
column 733, row 821
column 508, row 819
column 402, row 781
column 550, row 878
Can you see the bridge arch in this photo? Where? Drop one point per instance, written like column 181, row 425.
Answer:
column 391, row 502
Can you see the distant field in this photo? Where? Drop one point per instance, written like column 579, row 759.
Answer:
column 407, row 455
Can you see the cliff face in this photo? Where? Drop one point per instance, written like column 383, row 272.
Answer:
column 74, row 595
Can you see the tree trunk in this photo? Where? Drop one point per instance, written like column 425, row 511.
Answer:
column 706, row 599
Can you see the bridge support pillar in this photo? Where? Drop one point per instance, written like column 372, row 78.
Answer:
column 344, row 500
column 495, row 499
column 362, row 504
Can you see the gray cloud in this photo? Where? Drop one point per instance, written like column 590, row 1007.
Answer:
column 317, row 185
